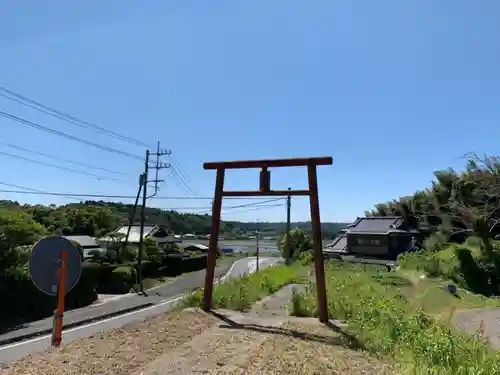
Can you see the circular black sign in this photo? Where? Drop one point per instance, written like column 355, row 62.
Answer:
column 45, row 262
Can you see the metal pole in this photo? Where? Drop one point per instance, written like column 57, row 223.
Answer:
column 318, row 247
column 59, row 312
column 288, row 251
column 214, row 237
column 141, row 235
column 257, row 253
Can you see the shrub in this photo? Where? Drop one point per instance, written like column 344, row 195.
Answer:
column 306, row 258
column 422, row 260
column 129, row 254
column 123, row 278
column 26, row 302
column 435, row 242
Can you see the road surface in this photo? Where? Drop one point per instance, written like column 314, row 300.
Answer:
column 19, row 350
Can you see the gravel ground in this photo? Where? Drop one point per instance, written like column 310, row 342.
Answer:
column 119, row 352
column 263, row 341
column 485, row 322
column 318, row 350
column 267, row 346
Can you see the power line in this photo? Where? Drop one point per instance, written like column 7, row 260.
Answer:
column 62, row 159
column 237, row 206
column 179, row 181
column 264, row 203
column 67, row 136
column 177, row 165
column 28, row 191
column 60, row 167
column 33, row 191
column 256, row 208
column 23, row 100
column 185, row 182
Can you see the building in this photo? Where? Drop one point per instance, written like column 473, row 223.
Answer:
column 157, row 233
column 87, row 244
column 196, row 247
column 382, row 236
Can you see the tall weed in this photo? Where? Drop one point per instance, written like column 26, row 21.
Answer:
column 379, row 314
column 240, row 293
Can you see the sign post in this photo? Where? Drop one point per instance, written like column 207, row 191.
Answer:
column 59, row 311
column 55, row 267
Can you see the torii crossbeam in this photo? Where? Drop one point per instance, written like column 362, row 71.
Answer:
column 265, row 190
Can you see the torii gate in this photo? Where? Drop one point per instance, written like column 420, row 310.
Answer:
column 265, row 190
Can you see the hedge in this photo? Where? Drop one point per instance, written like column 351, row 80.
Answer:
column 21, row 299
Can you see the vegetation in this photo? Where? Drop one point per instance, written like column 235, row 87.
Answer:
column 404, row 318
column 456, row 207
column 241, row 293
column 299, row 241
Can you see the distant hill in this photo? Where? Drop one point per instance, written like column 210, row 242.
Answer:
column 95, row 218
column 328, row 230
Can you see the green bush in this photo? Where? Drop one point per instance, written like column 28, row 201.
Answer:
column 129, row 254
column 123, row 278
column 422, row 260
column 27, row 303
column 435, row 242
column 306, row 258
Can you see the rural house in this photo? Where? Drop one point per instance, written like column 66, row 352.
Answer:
column 381, row 236
column 87, row 244
column 157, row 233
column 196, row 248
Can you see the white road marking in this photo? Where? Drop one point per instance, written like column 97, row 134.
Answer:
column 103, row 321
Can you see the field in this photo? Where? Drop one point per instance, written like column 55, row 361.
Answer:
column 265, row 246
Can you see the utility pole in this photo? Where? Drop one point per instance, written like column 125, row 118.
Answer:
column 144, row 184
column 257, row 253
column 131, row 220
column 288, row 223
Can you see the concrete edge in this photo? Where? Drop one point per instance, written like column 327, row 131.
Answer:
column 46, row 331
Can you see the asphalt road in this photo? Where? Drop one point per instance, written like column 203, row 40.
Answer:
column 19, row 350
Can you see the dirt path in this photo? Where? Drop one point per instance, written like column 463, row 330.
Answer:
column 484, row 322
column 266, row 340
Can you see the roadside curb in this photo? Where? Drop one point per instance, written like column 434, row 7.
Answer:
column 47, row 331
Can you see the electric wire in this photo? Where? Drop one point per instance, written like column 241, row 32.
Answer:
column 34, row 161
column 68, row 136
column 184, row 175
column 184, row 181
column 23, row 100
column 62, row 159
column 28, row 190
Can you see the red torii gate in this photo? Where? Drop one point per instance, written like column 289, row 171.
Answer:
column 265, row 190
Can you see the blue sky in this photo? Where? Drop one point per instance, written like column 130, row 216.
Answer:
column 392, row 90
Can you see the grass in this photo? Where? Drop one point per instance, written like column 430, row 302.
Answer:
column 240, row 293
column 403, row 317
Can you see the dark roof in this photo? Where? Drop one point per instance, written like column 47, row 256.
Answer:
column 376, row 224
column 84, row 241
column 339, row 244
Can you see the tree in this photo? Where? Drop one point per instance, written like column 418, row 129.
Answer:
column 17, row 228
column 300, row 242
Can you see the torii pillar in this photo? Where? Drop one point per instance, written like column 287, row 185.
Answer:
column 265, row 190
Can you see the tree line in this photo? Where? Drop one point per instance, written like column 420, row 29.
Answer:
column 23, row 224
column 457, row 204
column 456, row 208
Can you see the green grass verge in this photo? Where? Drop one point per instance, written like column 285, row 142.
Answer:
column 240, row 293
column 403, row 317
